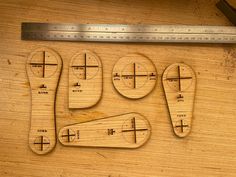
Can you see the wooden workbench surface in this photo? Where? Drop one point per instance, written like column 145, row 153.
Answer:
column 210, row 149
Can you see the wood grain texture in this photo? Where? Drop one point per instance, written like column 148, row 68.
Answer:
column 85, row 80
column 208, row 151
column 130, row 130
column 232, row 3
column 179, row 83
column 44, row 70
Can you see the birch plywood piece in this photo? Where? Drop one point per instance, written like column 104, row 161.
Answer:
column 179, row 82
column 123, row 131
column 43, row 69
column 85, row 80
column 134, row 76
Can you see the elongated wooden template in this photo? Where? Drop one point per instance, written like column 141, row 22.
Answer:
column 43, row 69
column 85, row 80
column 179, row 82
column 130, row 130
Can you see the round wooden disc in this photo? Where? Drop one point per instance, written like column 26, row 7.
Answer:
column 134, row 76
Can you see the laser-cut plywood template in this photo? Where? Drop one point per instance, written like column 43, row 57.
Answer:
column 134, row 76
column 43, row 69
column 85, row 80
column 130, row 130
column 179, row 82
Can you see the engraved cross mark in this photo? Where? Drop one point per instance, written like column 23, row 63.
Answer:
column 43, row 64
column 134, row 75
column 179, row 78
column 68, row 135
column 41, row 143
column 134, row 129
column 85, row 66
column 181, row 126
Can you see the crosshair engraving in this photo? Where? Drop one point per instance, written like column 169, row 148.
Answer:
column 68, row 135
column 134, row 130
column 129, row 130
column 85, row 66
column 41, row 143
column 134, row 75
column 181, row 126
column 43, row 64
column 179, row 78
column 179, row 83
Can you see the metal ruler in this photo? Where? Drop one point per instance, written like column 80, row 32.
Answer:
column 128, row 33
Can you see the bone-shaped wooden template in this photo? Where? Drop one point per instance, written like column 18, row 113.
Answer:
column 43, row 69
column 179, row 82
column 85, row 80
column 130, row 130
column 134, row 76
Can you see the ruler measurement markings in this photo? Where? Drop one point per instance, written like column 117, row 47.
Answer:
column 129, row 33
column 121, row 39
column 123, row 34
column 135, row 32
column 126, row 34
column 129, row 28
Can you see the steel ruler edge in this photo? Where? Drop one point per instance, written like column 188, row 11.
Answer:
column 128, row 33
